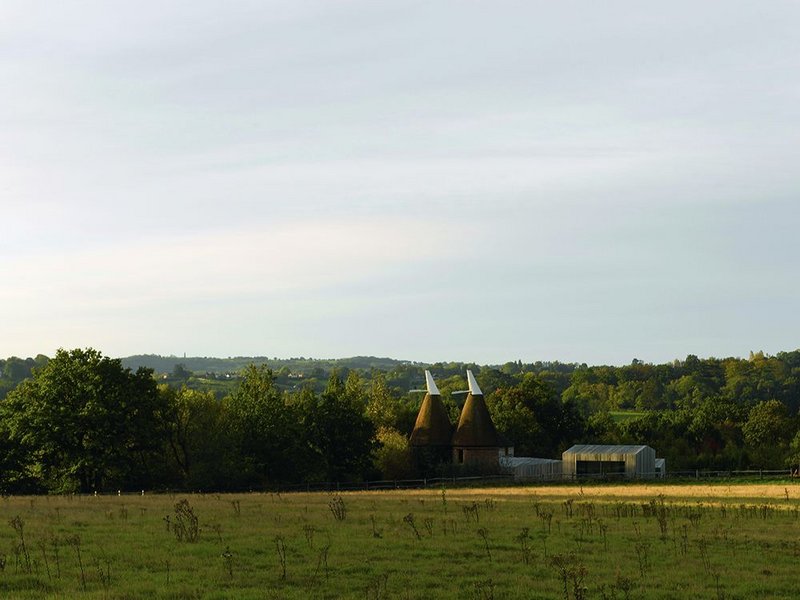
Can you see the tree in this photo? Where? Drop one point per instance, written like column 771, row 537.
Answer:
column 491, row 379
column 196, row 445
column 714, row 427
column 448, row 388
column 393, row 455
column 264, row 430
column 793, row 459
column 767, row 434
column 387, row 411
column 666, row 432
column 86, row 423
column 180, row 371
column 536, row 420
column 602, row 429
column 16, row 369
column 382, row 409
column 338, row 432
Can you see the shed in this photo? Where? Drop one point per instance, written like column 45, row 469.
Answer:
column 609, row 461
column 529, row 468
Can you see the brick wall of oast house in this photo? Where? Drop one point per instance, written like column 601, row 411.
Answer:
column 483, row 458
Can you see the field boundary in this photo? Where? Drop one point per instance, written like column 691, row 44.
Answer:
column 497, row 480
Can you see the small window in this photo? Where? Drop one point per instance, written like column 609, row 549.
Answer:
column 460, row 456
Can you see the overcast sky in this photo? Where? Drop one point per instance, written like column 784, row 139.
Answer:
column 477, row 181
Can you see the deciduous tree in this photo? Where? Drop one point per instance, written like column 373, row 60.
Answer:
column 86, row 423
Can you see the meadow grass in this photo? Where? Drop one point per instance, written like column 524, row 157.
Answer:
column 623, row 416
column 569, row 541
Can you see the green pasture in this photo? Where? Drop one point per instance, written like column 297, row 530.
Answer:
column 623, row 416
column 615, row 542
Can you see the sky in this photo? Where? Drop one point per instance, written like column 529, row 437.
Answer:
column 433, row 181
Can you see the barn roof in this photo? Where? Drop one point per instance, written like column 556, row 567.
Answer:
column 475, row 427
column 516, row 461
column 433, row 427
column 602, row 449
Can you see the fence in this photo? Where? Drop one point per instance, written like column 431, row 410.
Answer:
column 505, row 479
column 745, row 474
column 675, row 476
column 510, row 479
column 397, row 484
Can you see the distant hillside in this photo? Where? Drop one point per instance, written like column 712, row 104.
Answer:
column 306, row 366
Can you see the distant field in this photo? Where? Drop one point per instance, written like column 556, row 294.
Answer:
column 598, row 541
column 620, row 416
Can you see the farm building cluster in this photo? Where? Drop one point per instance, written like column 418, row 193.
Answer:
column 475, row 443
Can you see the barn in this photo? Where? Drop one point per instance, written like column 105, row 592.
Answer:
column 610, row 461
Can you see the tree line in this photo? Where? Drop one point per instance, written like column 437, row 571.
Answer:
column 81, row 421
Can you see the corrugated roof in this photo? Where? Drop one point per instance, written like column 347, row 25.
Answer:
column 517, row 461
column 475, row 427
column 433, row 427
column 601, row 449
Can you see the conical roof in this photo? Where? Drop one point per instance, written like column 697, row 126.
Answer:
column 433, row 427
column 475, row 427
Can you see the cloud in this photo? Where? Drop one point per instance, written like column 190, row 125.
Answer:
column 266, row 262
column 319, row 173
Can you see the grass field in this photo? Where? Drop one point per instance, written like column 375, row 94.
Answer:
column 623, row 416
column 599, row 541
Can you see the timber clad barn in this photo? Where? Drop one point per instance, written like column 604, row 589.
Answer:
column 600, row 461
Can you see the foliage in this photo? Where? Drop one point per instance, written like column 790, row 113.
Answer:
column 534, row 418
column 338, row 432
column 82, row 422
column 767, row 433
column 14, row 370
column 196, row 444
column 393, row 455
column 383, row 409
column 263, row 429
